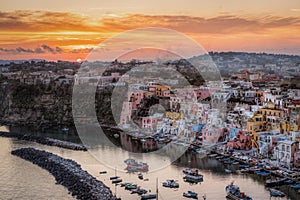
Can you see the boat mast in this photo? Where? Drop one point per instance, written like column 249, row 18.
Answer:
column 156, row 188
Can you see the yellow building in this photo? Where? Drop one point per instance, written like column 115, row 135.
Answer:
column 160, row 90
column 175, row 115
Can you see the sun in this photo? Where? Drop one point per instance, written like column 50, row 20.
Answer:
column 78, row 60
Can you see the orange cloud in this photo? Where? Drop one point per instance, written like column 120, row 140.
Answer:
column 77, row 34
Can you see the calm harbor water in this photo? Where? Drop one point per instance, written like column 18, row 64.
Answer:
column 20, row 179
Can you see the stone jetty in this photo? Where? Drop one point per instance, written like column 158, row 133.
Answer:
column 68, row 173
column 45, row 141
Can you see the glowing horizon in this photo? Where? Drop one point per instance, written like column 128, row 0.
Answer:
column 72, row 30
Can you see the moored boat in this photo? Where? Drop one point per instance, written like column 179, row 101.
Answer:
column 118, row 180
column 139, row 191
column 295, row 186
column 130, row 186
column 134, row 166
column 193, row 178
column 233, row 192
column 140, row 176
column 148, row 196
column 275, row 182
column 190, row 194
column 114, row 177
column 276, row 193
column 170, row 184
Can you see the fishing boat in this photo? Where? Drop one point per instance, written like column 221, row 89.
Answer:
column 148, row 196
column 275, row 182
column 234, row 193
column 140, row 176
column 170, row 184
column 134, row 166
column 276, row 193
column 190, row 194
column 295, row 186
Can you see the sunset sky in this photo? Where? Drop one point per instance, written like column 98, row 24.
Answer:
column 70, row 29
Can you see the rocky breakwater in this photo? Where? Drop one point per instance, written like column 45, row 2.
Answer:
column 68, row 173
column 45, row 141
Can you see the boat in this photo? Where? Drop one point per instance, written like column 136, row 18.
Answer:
column 148, row 196
column 219, row 157
column 170, row 184
column 234, row 193
column 275, row 182
column 193, row 174
column 289, row 182
column 103, row 172
column 228, row 171
column 193, row 178
column 213, row 155
column 263, row 173
column 244, row 166
column 124, row 184
column 245, row 170
column 276, row 193
column 190, row 194
column 130, row 186
column 139, row 191
column 236, row 163
column 295, row 186
column 65, row 129
column 134, row 166
column 118, row 180
column 190, row 171
column 114, row 177
column 140, row 176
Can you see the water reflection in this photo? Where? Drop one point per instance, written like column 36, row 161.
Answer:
column 19, row 177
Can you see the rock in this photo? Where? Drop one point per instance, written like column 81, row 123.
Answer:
column 68, row 173
column 45, row 141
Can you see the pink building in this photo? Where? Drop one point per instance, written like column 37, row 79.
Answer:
column 202, row 93
column 241, row 142
column 213, row 136
column 150, row 121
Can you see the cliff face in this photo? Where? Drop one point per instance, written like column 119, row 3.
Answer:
column 49, row 105
column 35, row 104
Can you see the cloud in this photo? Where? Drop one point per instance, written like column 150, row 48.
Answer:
column 49, row 49
column 25, row 20
column 45, row 21
column 215, row 25
column 39, row 50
